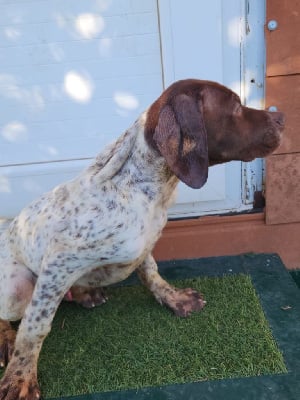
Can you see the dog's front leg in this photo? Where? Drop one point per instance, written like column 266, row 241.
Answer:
column 56, row 277
column 181, row 301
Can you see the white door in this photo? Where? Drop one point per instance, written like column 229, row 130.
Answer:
column 74, row 75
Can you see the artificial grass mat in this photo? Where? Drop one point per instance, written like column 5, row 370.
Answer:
column 133, row 342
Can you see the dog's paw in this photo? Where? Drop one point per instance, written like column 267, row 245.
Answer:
column 18, row 388
column 7, row 341
column 184, row 301
column 86, row 297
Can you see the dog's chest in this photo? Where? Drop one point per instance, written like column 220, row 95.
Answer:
column 129, row 239
column 124, row 235
column 116, row 260
column 123, row 218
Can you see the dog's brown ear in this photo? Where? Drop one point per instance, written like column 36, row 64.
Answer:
column 181, row 138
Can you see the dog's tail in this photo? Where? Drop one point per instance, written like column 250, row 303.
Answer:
column 112, row 158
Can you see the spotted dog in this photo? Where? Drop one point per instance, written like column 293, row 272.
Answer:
column 98, row 228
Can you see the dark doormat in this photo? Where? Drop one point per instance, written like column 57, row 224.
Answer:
column 279, row 303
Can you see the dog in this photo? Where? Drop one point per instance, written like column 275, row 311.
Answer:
column 96, row 229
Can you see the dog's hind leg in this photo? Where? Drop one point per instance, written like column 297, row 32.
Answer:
column 59, row 270
column 16, row 287
column 181, row 301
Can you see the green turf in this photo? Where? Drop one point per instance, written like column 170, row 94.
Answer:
column 133, row 342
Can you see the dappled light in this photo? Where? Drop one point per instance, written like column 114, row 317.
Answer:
column 31, row 97
column 12, row 33
column 126, row 100
column 49, row 150
column 14, row 132
column 234, row 32
column 89, row 25
column 78, row 87
column 83, row 26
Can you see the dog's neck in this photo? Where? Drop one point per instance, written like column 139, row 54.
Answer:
column 145, row 167
column 132, row 162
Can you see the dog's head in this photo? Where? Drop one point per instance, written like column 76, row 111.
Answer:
column 195, row 124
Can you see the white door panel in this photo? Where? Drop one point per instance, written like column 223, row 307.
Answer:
column 209, row 192
column 224, row 195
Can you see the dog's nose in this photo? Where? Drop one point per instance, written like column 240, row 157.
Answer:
column 278, row 118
